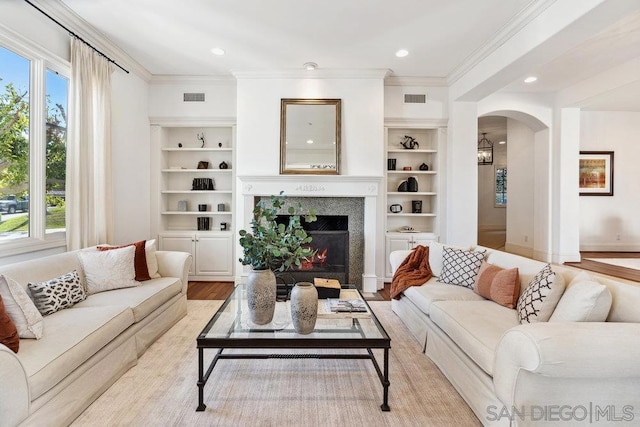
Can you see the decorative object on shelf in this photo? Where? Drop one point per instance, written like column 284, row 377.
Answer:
column 304, row 307
column 200, row 137
column 403, row 187
column 204, row 223
column 221, row 207
column 407, row 229
column 261, row 296
column 395, row 208
column 183, row 205
column 272, row 246
column 409, row 142
column 412, row 184
column 416, row 206
column 406, row 168
column 596, row 173
column 202, row 207
column 424, row 167
column 223, row 226
column 219, row 144
column 391, row 164
column 327, row 288
column 179, row 144
column 485, row 150
column 202, row 184
column 203, row 165
column 223, row 165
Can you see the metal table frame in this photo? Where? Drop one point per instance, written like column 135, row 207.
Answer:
column 223, row 343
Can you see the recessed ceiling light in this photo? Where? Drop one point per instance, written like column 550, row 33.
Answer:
column 502, row 142
column 309, row 141
column 217, row 51
column 402, row 53
column 530, row 79
column 310, row 66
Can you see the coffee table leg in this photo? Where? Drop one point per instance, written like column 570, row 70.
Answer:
column 201, row 380
column 385, row 383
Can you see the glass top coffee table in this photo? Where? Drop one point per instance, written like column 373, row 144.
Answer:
column 230, row 327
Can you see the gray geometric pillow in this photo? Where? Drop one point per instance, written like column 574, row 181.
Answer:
column 460, row 267
column 57, row 294
column 539, row 299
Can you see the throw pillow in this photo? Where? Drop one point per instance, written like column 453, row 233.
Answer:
column 152, row 261
column 436, row 257
column 537, row 302
column 57, row 294
column 460, row 267
column 586, row 301
column 139, row 260
column 108, row 270
column 498, row 284
column 21, row 309
column 8, row 331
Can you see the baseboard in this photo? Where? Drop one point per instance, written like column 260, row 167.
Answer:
column 492, row 227
column 610, row 247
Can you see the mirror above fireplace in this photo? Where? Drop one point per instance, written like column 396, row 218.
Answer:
column 310, row 131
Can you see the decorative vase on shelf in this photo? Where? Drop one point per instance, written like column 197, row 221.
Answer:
column 261, row 296
column 412, row 184
column 304, row 307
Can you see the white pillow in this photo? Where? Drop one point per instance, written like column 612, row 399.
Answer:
column 586, row 301
column 21, row 309
column 152, row 261
column 539, row 299
column 108, row 270
column 435, row 256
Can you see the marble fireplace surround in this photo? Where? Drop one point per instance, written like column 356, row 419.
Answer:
column 319, row 186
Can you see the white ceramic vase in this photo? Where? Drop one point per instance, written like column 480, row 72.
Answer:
column 261, row 296
column 304, row 307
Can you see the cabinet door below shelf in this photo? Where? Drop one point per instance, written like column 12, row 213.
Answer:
column 181, row 244
column 213, row 255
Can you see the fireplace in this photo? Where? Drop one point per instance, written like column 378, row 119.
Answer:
column 331, row 242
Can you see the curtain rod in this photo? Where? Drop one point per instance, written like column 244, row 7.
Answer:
column 77, row 36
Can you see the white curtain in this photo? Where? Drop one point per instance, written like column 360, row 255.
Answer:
column 88, row 183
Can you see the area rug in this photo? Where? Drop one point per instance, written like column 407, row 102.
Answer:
column 633, row 263
column 161, row 390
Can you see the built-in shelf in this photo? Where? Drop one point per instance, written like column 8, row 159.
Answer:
column 408, row 193
column 196, row 191
column 412, row 172
column 200, row 213
column 196, row 149
column 417, row 150
column 197, row 170
column 410, row 214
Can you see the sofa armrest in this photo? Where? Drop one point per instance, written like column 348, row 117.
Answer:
column 175, row 264
column 14, row 389
column 396, row 258
column 589, row 350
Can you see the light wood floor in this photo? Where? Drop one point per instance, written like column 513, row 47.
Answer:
column 611, row 270
column 221, row 290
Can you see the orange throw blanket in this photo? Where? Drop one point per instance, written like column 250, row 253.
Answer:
column 413, row 271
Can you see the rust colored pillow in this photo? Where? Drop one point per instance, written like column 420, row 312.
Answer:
column 8, row 332
column 498, row 284
column 139, row 260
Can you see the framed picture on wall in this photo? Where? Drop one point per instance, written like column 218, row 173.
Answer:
column 596, row 173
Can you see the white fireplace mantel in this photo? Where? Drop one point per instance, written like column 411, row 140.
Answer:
column 367, row 187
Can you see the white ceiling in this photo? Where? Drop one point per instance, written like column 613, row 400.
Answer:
column 170, row 37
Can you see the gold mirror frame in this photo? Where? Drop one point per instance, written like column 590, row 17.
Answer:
column 303, row 123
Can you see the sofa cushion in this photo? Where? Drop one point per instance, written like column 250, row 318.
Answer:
column 108, row 270
column 21, row 309
column 142, row 299
column 435, row 256
column 460, row 267
column 537, row 302
column 527, row 267
column 585, row 301
column 139, row 259
column 475, row 326
column 425, row 295
column 58, row 293
column 500, row 285
column 72, row 336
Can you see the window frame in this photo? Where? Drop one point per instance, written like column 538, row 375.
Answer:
column 40, row 61
column 496, row 170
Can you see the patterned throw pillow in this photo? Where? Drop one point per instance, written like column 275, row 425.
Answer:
column 539, row 299
column 57, row 294
column 460, row 267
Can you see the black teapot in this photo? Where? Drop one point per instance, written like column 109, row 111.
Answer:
column 223, row 165
column 424, row 167
column 409, row 142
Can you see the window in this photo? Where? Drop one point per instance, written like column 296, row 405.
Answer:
column 501, row 187
column 33, row 135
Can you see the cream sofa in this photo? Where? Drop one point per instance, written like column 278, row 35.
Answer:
column 531, row 374
column 87, row 347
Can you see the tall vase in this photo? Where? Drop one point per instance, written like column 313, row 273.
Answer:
column 261, row 296
column 304, row 307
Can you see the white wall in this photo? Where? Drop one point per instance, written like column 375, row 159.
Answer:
column 602, row 218
column 166, row 97
column 436, row 107
column 491, row 217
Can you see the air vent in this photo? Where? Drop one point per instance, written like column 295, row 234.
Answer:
column 415, row 98
column 193, row 97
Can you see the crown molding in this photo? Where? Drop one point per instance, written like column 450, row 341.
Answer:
column 399, row 122
column 221, row 80
column 60, row 11
column 415, row 81
column 531, row 11
column 321, row 73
